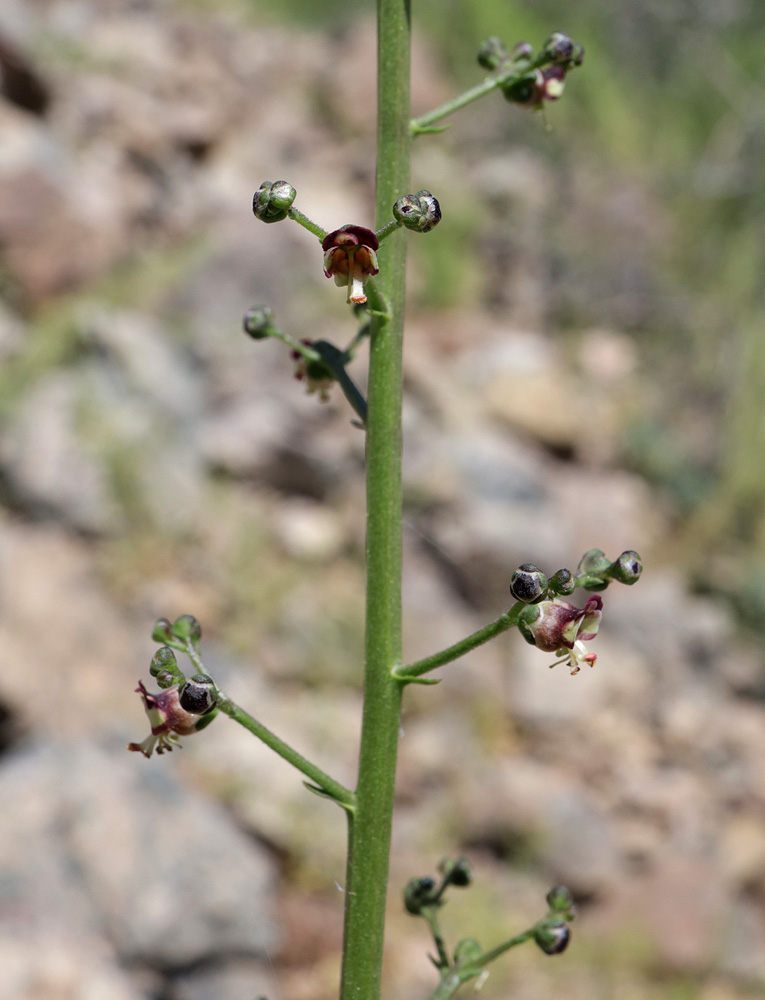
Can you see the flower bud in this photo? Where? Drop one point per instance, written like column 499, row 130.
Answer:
column 552, row 936
column 199, row 694
column 559, row 48
column 492, row 53
column 562, row 583
column 559, row 899
column 456, row 871
column 187, row 628
column 593, row 571
column 593, row 563
column 258, row 322
column 528, row 584
column 468, row 950
column 273, row 200
column 161, row 631
column 627, row 568
column 522, row 51
column 419, row 212
column 419, row 892
column 164, row 667
column 527, row 90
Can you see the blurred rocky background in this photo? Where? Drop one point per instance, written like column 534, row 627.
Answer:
column 584, row 367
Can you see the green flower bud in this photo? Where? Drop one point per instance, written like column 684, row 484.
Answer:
column 468, row 950
column 559, row 48
column 552, row 936
column 527, row 90
column 199, row 694
column 456, row 871
column 627, row 568
column 593, row 563
column 492, row 53
column 559, row 899
column 419, row 212
column 164, row 667
column 522, row 51
column 273, row 200
column 419, row 892
column 258, row 322
column 187, row 627
column 562, row 583
column 528, row 584
column 593, row 571
column 161, row 632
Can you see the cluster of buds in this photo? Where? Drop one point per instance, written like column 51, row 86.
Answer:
column 532, row 79
column 552, row 933
column 424, row 893
column 555, row 626
column 183, row 706
column 273, row 200
column 317, row 376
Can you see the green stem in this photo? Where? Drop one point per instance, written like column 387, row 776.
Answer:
column 431, row 915
column 344, row 796
column 387, row 230
column 423, row 122
column 420, row 667
column 306, row 223
column 480, row 963
column 451, row 982
column 370, row 830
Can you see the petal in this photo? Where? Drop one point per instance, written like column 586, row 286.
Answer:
column 146, row 747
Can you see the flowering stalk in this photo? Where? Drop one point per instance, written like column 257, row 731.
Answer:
column 369, row 827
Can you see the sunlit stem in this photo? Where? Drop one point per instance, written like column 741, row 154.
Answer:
column 306, row 223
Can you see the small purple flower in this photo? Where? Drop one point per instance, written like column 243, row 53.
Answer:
column 561, row 628
column 350, row 258
column 167, row 718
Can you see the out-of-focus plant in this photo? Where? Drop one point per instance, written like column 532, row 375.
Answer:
column 369, row 265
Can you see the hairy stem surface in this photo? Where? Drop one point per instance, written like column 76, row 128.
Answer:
column 370, row 825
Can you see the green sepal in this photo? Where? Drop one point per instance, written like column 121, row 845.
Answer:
column 593, row 583
column 205, row 721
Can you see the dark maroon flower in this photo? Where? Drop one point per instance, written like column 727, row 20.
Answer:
column 350, row 258
column 167, row 718
column 561, row 628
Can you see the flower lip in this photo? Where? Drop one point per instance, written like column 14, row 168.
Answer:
column 350, row 258
column 350, row 236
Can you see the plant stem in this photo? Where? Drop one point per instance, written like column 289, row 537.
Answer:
column 341, row 794
column 452, row 981
column 306, row 223
column 369, row 829
column 420, row 667
column 467, row 97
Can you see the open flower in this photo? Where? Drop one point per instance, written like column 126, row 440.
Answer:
column 350, row 258
column 167, row 718
column 561, row 628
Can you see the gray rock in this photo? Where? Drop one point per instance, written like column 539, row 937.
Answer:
column 110, row 854
column 48, row 468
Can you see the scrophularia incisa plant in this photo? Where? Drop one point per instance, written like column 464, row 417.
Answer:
column 369, row 265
